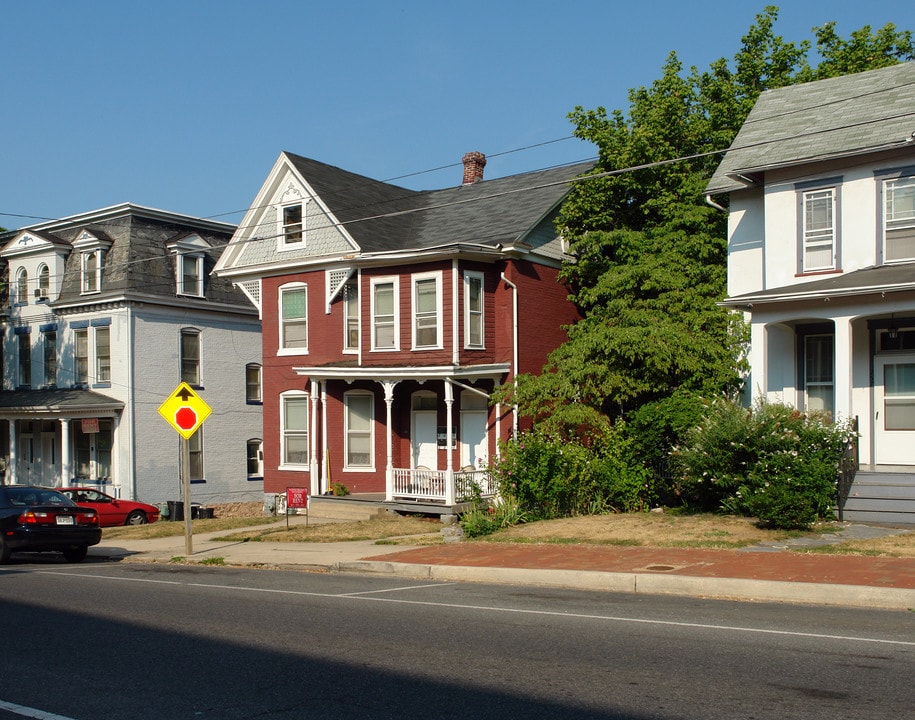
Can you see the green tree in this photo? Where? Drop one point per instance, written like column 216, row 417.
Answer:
column 650, row 251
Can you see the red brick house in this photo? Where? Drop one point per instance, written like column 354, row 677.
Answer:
column 389, row 317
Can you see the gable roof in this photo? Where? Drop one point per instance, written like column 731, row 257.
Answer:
column 833, row 118
column 382, row 217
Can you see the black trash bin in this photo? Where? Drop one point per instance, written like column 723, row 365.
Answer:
column 175, row 510
column 204, row 513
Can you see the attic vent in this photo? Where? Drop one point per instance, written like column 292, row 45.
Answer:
column 252, row 288
column 335, row 281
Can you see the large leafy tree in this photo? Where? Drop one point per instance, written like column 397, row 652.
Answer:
column 650, row 250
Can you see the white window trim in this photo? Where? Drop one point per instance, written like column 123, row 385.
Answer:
column 347, row 350
column 260, row 458
column 468, row 276
column 804, row 191
column 389, row 280
column 886, row 179
column 260, row 384
column 87, row 271
column 188, row 332
column 281, row 242
column 281, row 322
column 358, row 468
column 196, row 291
column 298, row 467
column 414, row 280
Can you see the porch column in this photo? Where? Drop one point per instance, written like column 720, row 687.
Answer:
column 11, row 474
column 843, row 368
column 758, row 382
column 449, row 463
column 388, row 386
column 313, row 439
column 325, row 459
column 66, row 473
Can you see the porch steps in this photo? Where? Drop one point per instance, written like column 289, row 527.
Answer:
column 346, row 507
column 881, row 497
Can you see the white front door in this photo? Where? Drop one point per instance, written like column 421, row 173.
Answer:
column 474, row 449
column 48, row 460
column 894, row 410
column 425, row 449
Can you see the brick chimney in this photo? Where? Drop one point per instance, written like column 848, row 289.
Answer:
column 474, row 162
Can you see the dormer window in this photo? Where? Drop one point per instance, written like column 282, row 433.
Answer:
column 190, row 253
column 190, row 278
column 22, row 286
column 92, row 249
column 91, row 272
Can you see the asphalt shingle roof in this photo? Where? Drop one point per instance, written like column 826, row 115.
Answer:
column 837, row 117
column 382, row 217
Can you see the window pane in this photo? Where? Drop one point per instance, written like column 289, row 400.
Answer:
column 82, row 356
column 360, row 409
column 50, row 358
column 292, row 223
column 900, row 243
column 899, row 379
column 296, row 450
column 384, row 299
column 293, row 304
column 296, row 414
column 25, row 360
column 425, row 296
column 253, row 383
column 190, row 358
column 295, row 324
column 103, row 354
column 900, row 199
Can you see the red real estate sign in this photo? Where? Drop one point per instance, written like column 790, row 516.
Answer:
column 296, row 498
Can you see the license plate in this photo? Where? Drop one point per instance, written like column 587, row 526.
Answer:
column 65, row 520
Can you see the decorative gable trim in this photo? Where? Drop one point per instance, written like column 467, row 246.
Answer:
column 334, row 282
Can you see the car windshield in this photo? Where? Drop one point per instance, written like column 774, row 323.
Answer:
column 28, row 496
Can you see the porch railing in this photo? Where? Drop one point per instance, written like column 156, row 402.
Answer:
column 421, row 484
column 848, row 466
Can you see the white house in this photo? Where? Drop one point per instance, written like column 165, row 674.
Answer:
column 106, row 313
column 821, row 258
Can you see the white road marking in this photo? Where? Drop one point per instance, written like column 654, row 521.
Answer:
column 30, row 712
column 517, row 611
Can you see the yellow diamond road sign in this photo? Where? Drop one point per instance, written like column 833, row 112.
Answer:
column 185, row 410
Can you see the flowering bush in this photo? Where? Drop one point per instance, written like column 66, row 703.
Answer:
column 773, row 463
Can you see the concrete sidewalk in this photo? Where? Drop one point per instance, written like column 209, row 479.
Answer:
column 761, row 573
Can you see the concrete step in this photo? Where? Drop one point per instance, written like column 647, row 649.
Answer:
column 881, row 497
column 341, row 508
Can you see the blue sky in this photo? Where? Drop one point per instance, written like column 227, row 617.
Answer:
column 185, row 105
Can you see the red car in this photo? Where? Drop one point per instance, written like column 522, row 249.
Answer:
column 112, row 511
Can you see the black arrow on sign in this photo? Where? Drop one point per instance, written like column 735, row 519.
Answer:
column 184, row 394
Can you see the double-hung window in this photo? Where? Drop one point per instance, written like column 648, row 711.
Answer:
column 43, row 290
column 190, row 357
column 91, row 271
column 195, row 455
column 22, row 286
column 899, row 218
column 253, row 383
column 103, row 354
column 294, row 318
column 25, row 359
column 50, row 357
column 427, row 311
column 385, row 320
column 351, row 317
column 293, row 225
column 294, row 409
column 81, row 356
column 358, row 430
column 190, row 275
column 819, row 229
column 473, row 310
column 255, row 452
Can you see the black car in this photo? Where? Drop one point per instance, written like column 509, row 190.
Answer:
column 36, row 519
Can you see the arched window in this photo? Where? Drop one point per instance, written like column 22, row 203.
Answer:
column 22, row 285
column 44, row 282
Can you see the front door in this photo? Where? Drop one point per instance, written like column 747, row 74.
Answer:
column 474, row 450
column 894, row 410
column 49, row 468
column 425, row 450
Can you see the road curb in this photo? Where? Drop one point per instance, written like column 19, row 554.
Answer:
column 651, row 584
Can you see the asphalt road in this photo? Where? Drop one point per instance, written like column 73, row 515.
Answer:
column 100, row 640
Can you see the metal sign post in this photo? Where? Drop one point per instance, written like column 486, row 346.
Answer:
column 296, row 498
column 185, row 411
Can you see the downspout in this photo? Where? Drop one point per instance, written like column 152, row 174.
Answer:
column 712, row 203
column 455, row 347
column 514, row 351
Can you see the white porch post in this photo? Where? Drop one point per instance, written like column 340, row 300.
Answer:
column 843, row 368
column 388, row 386
column 322, row 482
column 449, row 464
column 66, row 474
column 313, row 440
column 758, row 352
column 11, row 474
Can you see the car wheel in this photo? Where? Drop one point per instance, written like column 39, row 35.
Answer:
column 137, row 517
column 5, row 552
column 76, row 554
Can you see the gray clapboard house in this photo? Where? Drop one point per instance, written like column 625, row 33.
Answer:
column 105, row 313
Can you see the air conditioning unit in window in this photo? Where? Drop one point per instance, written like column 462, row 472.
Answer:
column 41, row 293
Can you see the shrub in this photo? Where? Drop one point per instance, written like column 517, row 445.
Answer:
column 773, row 463
column 549, row 475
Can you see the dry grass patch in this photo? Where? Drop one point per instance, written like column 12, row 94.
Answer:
column 902, row 546
column 421, row 530
column 644, row 529
column 164, row 528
